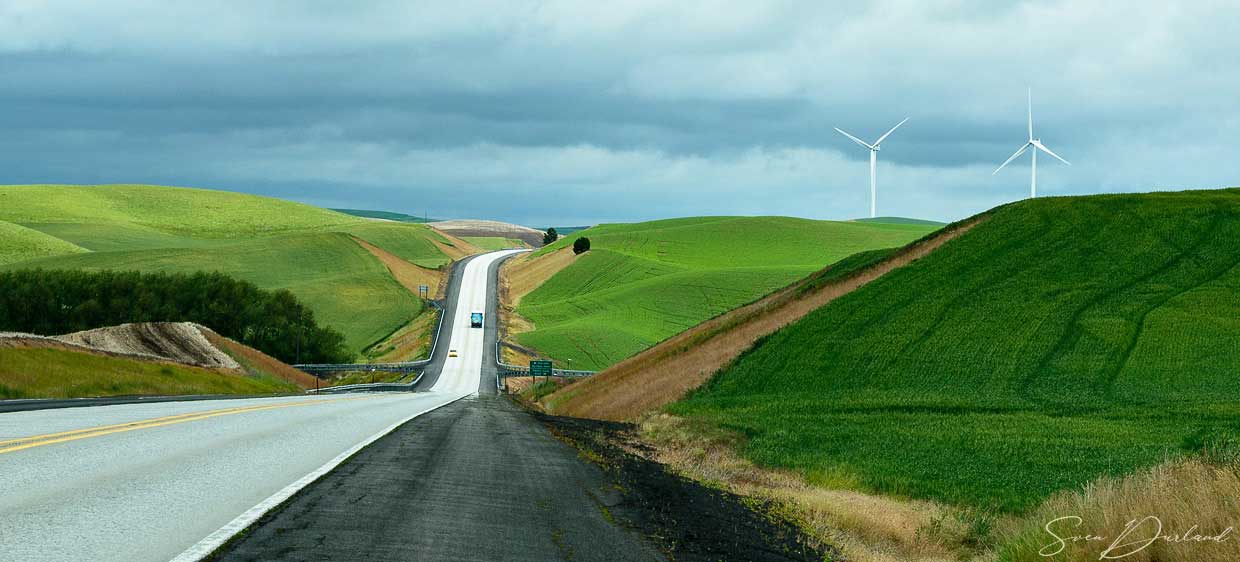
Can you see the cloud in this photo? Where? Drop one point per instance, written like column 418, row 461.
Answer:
column 559, row 112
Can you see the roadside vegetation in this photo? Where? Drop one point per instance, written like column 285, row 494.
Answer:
column 1059, row 341
column 314, row 253
column 63, row 373
column 641, row 283
column 58, row 302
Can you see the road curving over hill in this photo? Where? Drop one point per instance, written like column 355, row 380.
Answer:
column 477, row 480
column 154, row 481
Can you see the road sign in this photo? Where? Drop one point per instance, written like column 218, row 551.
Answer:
column 540, row 368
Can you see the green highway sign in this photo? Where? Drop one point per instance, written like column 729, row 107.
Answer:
column 540, row 368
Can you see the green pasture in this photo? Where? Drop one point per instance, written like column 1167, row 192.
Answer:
column 641, row 283
column 1059, row 340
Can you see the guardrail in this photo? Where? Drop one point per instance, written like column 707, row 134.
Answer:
column 378, row 386
column 506, row 370
column 401, row 367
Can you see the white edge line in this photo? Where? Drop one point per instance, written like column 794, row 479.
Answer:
column 214, row 541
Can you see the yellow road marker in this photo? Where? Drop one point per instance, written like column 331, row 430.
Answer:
column 74, row 435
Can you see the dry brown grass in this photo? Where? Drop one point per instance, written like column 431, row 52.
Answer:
column 405, row 273
column 867, row 528
column 254, row 360
column 665, row 372
column 1181, row 494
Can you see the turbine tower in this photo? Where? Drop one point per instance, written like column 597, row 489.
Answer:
column 873, row 162
column 1037, row 145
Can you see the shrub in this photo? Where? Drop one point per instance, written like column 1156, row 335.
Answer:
column 581, row 245
column 550, row 236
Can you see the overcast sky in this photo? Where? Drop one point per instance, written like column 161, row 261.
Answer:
column 580, row 112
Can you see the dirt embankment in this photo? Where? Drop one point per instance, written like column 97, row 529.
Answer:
column 181, row 342
column 490, row 228
column 666, row 372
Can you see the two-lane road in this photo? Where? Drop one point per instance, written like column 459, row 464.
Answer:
column 143, row 482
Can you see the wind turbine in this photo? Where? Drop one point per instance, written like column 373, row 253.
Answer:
column 1037, row 145
column 873, row 161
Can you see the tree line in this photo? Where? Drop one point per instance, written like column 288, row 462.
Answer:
column 51, row 302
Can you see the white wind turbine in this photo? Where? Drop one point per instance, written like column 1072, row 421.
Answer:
column 1037, row 145
column 873, row 160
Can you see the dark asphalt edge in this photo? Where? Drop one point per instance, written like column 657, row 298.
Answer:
column 779, row 537
column 275, row 510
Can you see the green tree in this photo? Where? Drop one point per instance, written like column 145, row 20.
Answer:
column 550, row 236
column 581, row 245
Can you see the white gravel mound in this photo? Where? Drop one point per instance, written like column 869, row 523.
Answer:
column 182, row 342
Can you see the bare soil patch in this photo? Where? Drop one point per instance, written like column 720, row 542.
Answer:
column 181, row 342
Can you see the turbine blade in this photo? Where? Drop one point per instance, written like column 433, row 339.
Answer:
column 1030, row 113
column 1048, row 151
column 855, row 139
column 888, row 133
column 1011, row 158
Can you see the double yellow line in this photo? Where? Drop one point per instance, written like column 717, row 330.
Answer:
column 22, row 443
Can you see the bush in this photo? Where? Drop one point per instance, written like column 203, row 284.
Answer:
column 581, row 245
column 550, row 236
column 58, row 302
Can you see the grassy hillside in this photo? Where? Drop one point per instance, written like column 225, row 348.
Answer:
column 199, row 213
column 641, row 283
column 1059, row 340
column 62, row 373
column 384, row 215
column 492, row 243
column 18, row 243
column 271, row 242
column 345, row 286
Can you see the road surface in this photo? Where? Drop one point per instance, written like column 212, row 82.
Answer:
column 478, row 480
column 141, row 482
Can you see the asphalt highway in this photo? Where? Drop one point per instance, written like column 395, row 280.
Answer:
column 173, row 480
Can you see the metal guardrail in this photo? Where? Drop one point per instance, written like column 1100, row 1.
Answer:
column 376, row 386
column 506, row 370
column 402, row 367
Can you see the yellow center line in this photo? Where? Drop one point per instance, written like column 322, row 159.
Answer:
column 74, row 435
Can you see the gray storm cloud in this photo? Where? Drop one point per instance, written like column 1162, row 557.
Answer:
column 576, row 112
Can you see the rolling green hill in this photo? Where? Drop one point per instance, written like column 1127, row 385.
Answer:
column 18, row 243
column 641, row 283
column 385, row 215
column 271, row 242
column 1058, row 340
